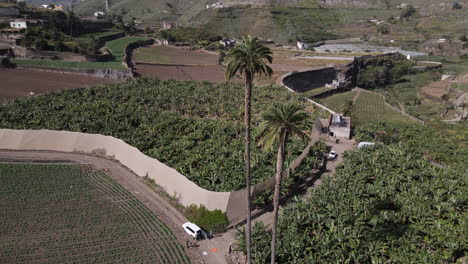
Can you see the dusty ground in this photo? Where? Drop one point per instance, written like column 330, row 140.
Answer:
column 173, row 55
column 436, row 89
column 20, row 83
column 215, row 248
column 212, row 73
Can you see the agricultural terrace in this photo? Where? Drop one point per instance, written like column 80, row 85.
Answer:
column 117, row 46
column 61, row 213
column 96, row 35
column 368, row 107
column 173, row 55
column 335, row 102
column 194, row 127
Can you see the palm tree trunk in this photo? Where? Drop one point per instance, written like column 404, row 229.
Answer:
column 276, row 197
column 248, row 94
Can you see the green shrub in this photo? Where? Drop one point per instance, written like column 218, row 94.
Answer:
column 215, row 221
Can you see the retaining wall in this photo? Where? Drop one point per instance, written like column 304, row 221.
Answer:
column 303, row 81
column 128, row 58
column 100, row 73
column 172, row 181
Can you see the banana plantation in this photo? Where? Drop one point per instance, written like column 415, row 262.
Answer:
column 194, row 127
column 386, row 204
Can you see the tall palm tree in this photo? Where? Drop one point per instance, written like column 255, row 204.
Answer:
column 278, row 124
column 248, row 59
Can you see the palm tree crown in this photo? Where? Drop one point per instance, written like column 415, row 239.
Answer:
column 248, row 59
column 282, row 121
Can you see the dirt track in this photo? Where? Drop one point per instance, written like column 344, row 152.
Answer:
column 148, row 196
column 19, row 83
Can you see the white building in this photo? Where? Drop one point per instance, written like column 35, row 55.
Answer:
column 18, row 24
column 302, row 45
column 99, row 14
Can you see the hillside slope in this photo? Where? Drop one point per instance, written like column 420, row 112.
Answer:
column 289, row 20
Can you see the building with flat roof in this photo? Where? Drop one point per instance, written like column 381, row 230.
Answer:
column 340, row 126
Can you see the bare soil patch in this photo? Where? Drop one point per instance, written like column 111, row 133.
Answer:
column 436, row 89
column 22, row 83
column 173, row 55
column 212, row 73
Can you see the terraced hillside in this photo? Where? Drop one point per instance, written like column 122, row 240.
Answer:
column 61, row 213
column 287, row 21
column 366, row 108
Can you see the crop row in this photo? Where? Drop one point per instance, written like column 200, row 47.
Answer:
column 49, row 222
column 371, row 108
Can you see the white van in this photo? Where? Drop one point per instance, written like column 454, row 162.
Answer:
column 365, row 144
column 193, row 230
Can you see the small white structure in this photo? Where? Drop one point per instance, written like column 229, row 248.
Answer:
column 99, row 14
column 302, row 45
column 215, row 5
column 228, row 42
column 365, row 144
column 18, row 24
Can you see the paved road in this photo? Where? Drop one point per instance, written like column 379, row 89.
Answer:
column 154, row 201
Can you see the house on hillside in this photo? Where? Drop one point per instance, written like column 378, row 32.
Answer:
column 25, row 23
column 337, row 126
column 18, row 24
column 302, row 45
column 169, row 25
column 227, row 43
column 99, row 14
column 340, row 126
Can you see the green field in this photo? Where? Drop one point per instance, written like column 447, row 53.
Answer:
column 194, row 127
column 96, row 35
column 70, row 64
column 171, row 55
column 368, row 108
column 71, row 214
column 371, row 108
column 117, row 47
column 334, row 102
column 317, row 91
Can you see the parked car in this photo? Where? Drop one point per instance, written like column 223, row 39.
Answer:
column 332, row 155
column 365, row 144
column 192, row 230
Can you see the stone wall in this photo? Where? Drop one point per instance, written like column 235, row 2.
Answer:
column 128, row 58
column 307, row 80
column 100, row 73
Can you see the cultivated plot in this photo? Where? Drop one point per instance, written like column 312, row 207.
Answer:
column 70, row 214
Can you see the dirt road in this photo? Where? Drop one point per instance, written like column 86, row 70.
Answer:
column 155, row 202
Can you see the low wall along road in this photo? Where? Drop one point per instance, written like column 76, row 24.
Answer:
column 172, row 181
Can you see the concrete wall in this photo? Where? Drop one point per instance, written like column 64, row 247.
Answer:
column 306, row 80
column 172, row 181
column 100, row 73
